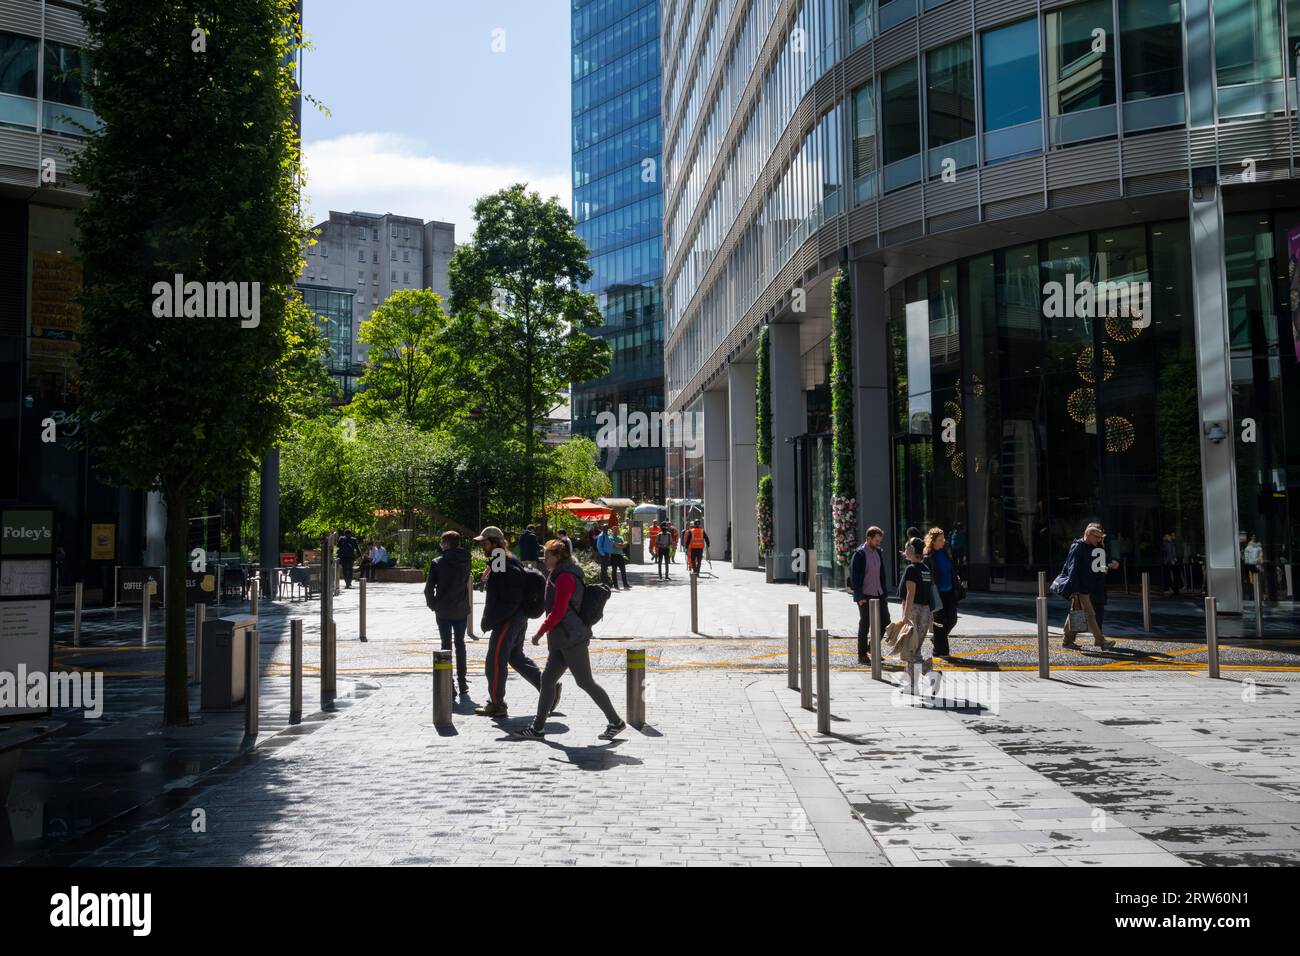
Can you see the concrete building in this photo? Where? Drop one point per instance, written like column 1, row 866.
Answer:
column 618, row 208
column 964, row 163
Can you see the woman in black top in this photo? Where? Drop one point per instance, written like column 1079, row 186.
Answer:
column 914, row 589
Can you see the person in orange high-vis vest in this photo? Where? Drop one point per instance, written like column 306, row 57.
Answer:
column 696, row 542
column 654, row 536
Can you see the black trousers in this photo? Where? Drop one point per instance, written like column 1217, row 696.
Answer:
column 345, row 566
column 945, row 619
column 661, row 563
column 696, row 555
column 506, row 649
column 619, row 563
column 451, row 631
column 864, row 625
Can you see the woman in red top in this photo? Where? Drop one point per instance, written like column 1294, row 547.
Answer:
column 568, row 637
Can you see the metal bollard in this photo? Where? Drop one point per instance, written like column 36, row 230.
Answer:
column 252, row 662
column 792, row 647
column 76, row 615
column 805, row 662
column 442, row 696
column 1044, row 665
column 329, row 676
column 295, row 670
column 200, row 619
column 145, row 601
column 1146, row 601
column 695, row 604
column 636, row 688
column 877, row 670
column 1212, row 636
column 1042, row 584
column 819, row 602
column 1259, row 607
column 362, row 609
column 823, row 682
column 812, row 569
column 470, row 584
column 252, row 596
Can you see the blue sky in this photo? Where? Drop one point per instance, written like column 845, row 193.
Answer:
column 424, row 115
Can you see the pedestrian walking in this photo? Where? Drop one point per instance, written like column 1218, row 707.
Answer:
column 1083, row 581
column 672, row 550
column 603, row 548
column 696, row 541
column 652, row 535
column 505, row 620
column 663, row 551
column 867, row 581
column 347, row 550
column 618, row 559
column 446, row 591
column 943, row 570
column 1252, row 560
column 1171, row 563
column 568, row 639
column 530, row 550
column 916, row 588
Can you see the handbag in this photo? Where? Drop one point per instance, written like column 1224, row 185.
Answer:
column 1078, row 619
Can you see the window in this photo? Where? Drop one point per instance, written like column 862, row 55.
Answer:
column 394, row 231
column 374, row 258
column 17, row 79
column 406, row 255
column 864, row 143
column 1080, row 58
column 361, row 278
column 1151, row 46
column 392, row 254
column 1009, row 73
column 361, row 233
column 860, row 28
column 406, row 278
column 950, row 105
column 361, row 255
column 324, row 248
column 407, row 232
column 66, row 68
column 375, row 234
column 901, row 125
column 1247, row 41
column 394, row 278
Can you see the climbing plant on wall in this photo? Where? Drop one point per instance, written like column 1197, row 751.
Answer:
column 844, row 495
column 763, row 400
column 764, row 515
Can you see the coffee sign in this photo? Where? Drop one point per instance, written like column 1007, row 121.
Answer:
column 27, row 533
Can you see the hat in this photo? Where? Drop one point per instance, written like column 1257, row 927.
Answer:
column 491, row 531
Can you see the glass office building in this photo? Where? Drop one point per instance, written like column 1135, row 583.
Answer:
column 1071, row 234
column 618, row 208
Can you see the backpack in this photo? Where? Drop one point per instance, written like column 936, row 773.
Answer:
column 592, row 609
column 534, row 602
column 664, row 541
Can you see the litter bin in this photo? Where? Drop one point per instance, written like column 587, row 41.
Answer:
column 225, row 649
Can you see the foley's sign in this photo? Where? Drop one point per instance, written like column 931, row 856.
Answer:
column 27, row 533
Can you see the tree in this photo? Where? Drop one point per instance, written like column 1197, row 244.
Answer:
column 410, row 367
column 194, row 174
column 522, row 316
column 574, row 471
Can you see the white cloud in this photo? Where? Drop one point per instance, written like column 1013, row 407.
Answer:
column 385, row 172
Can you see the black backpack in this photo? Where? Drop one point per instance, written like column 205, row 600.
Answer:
column 534, row 603
column 592, row 608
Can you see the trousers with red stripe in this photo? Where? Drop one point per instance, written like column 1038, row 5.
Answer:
column 506, row 648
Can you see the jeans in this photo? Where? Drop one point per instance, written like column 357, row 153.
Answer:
column 455, row 630
column 661, row 563
column 604, row 567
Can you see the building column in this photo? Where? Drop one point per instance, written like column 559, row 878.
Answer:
column 155, row 530
column 788, row 422
column 743, row 486
column 871, row 406
column 1214, row 387
column 717, row 504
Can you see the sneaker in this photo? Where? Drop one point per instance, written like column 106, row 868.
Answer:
column 531, row 733
column 556, row 706
column 464, row 688
column 492, row 710
column 613, row 730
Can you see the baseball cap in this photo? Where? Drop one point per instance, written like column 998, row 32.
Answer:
column 491, row 531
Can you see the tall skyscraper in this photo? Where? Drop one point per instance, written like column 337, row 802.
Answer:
column 618, row 206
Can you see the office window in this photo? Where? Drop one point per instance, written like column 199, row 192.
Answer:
column 361, row 278
column 392, row 254
column 375, row 234
column 18, row 77
column 1080, row 57
column 406, row 278
column 361, row 233
column 407, row 232
column 1009, row 74
column 66, row 67
column 406, row 255
column 324, row 248
column 1247, row 41
column 1151, row 47
column 950, row 98
column 374, row 258
column 901, row 112
column 394, row 232
column 394, row 276
column 864, row 143
column 361, row 255
column 860, row 26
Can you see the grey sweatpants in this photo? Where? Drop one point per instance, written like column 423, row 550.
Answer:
column 578, row 660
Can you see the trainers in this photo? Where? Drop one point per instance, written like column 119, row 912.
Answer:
column 556, row 706
column 531, row 733
column 613, row 730
column 492, row 710
column 464, row 688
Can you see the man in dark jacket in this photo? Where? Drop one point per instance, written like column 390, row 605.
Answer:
column 347, row 550
column 530, row 551
column 867, row 580
column 446, row 591
column 1085, row 569
column 505, row 619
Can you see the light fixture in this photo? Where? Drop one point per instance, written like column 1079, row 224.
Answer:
column 1120, row 434
column 1082, row 406
column 1214, row 431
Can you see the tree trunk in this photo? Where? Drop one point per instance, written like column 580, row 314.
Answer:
column 528, row 438
column 176, row 702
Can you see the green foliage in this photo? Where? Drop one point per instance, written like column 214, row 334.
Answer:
column 521, row 318
column 411, row 366
column 195, row 172
column 763, row 399
column 764, row 512
column 844, row 479
column 574, row 471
